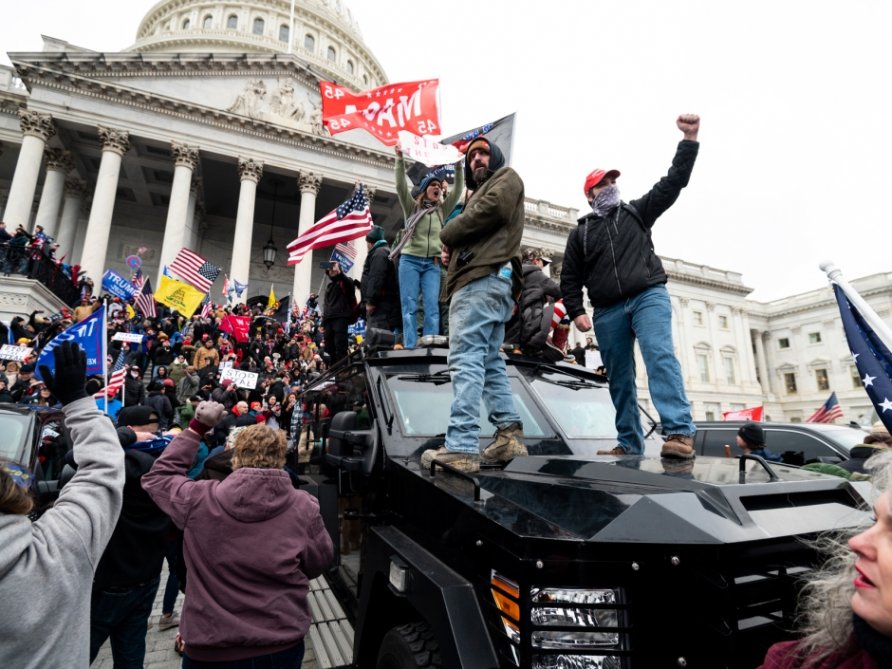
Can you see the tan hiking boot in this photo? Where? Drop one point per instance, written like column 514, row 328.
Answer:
column 507, row 445
column 616, row 450
column 678, row 446
column 465, row 462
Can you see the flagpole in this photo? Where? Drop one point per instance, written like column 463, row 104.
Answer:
column 105, row 353
column 869, row 315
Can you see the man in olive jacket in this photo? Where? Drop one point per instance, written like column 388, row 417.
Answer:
column 611, row 253
column 482, row 252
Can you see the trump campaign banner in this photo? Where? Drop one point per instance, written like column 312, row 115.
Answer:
column 89, row 334
column 115, row 284
column 384, row 111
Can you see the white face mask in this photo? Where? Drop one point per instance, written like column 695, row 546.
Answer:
column 135, row 375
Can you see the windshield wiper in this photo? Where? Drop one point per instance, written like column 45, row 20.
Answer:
column 573, row 385
column 437, row 378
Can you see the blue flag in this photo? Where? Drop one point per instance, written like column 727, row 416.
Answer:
column 89, row 334
column 871, row 355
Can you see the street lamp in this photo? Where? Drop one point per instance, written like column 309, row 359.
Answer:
column 269, row 249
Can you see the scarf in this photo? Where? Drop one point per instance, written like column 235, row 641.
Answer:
column 877, row 645
column 606, row 199
column 411, row 222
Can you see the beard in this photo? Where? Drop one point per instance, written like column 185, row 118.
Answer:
column 480, row 175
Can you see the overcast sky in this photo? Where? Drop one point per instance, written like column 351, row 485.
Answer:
column 796, row 138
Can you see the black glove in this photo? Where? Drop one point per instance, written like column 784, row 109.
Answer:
column 68, row 382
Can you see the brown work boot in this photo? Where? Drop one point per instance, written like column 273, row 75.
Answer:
column 678, row 446
column 507, row 445
column 465, row 462
column 619, row 449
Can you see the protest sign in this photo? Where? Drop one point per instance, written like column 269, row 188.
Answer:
column 130, row 337
column 240, row 377
column 17, row 353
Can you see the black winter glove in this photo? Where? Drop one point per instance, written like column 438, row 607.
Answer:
column 67, row 383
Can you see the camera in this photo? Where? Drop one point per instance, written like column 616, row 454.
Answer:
column 465, row 257
column 326, row 265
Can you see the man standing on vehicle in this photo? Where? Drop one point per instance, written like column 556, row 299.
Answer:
column 611, row 253
column 481, row 247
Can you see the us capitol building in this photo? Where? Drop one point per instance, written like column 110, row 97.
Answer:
column 206, row 133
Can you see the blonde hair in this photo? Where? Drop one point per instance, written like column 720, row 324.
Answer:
column 260, row 447
column 13, row 498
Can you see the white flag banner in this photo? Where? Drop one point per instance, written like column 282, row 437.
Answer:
column 427, row 151
column 240, row 377
column 17, row 353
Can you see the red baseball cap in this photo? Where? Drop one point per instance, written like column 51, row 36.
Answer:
column 595, row 178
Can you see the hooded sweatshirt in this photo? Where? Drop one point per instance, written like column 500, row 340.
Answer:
column 46, row 567
column 251, row 544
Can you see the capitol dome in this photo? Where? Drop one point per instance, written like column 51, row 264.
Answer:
column 325, row 34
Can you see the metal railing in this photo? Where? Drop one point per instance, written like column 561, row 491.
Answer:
column 33, row 264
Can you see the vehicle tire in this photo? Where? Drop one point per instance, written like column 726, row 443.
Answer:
column 409, row 647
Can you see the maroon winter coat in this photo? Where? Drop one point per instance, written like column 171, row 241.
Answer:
column 783, row 655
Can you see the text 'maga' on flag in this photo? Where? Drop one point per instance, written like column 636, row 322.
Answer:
column 869, row 343
column 350, row 220
column 828, row 412
column 194, row 270
column 384, row 111
column 499, row 132
column 145, row 300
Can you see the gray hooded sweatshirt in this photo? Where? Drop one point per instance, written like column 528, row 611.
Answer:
column 46, row 567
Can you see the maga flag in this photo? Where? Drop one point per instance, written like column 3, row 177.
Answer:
column 238, row 326
column 349, row 221
column 751, row 413
column 178, row 295
column 382, row 111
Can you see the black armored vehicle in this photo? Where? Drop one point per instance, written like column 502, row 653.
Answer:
column 561, row 559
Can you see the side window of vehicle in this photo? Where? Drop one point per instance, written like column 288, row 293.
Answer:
column 350, row 393
column 714, row 441
column 786, row 443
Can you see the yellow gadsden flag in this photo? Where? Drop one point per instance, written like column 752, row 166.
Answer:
column 178, row 295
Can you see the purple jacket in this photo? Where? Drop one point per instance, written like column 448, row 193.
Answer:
column 783, row 655
column 251, row 543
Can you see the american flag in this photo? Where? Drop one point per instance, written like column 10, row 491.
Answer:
column 828, row 412
column 346, row 249
column 348, row 221
column 145, row 300
column 116, row 380
column 136, row 279
column 206, row 307
column 870, row 349
column 194, row 269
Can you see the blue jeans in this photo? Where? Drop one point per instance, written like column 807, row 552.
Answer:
column 419, row 274
column 284, row 659
column 122, row 614
column 648, row 318
column 172, row 587
column 477, row 318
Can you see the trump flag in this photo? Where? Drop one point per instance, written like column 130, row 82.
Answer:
column 89, row 334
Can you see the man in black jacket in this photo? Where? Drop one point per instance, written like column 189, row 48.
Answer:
column 611, row 253
column 338, row 311
column 378, row 286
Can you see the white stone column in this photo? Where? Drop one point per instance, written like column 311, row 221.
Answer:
column 37, row 129
column 191, row 223
column 764, row 378
column 309, row 185
column 250, row 172
column 115, row 144
column 175, row 229
column 71, row 211
column 58, row 165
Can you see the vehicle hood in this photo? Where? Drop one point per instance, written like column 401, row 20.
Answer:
column 638, row 499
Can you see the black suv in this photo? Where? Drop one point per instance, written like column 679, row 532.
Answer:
column 562, row 558
column 39, row 440
column 796, row 443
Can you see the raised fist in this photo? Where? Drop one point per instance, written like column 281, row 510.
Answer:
column 210, row 413
column 689, row 124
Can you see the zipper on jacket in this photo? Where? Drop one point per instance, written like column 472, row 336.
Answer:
column 619, row 284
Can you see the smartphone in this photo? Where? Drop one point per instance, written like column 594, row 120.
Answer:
column 326, row 264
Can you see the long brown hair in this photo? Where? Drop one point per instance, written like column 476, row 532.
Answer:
column 13, row 498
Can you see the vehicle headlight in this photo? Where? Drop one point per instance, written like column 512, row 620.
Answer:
column 575, row 662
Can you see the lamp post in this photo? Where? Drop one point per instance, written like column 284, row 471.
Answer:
column 269, row 249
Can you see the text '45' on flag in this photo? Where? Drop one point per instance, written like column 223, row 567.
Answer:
column 828, row 412
column 195, row 270
column 348, row 221
column 383, row 111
